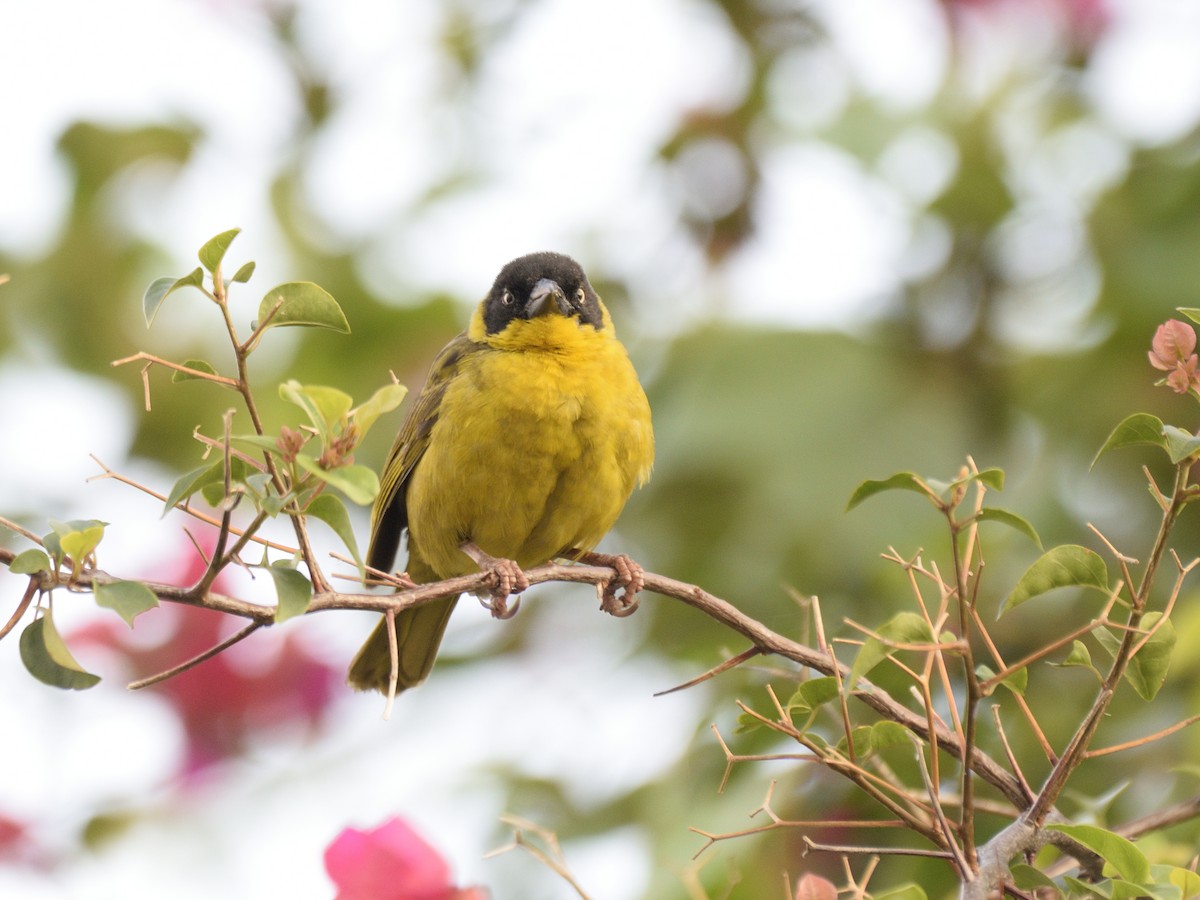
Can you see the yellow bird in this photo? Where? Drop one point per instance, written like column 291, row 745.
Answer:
column 530, row 434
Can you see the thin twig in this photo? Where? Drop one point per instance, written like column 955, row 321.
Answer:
column 1143, row 741
column 811, row 846
column 1008, row 752
column 714, row 671
column 26, row 599
column 389, row 619
column 554, row 860
column 106, row 472
column 948, row 830
column 196, row 660
column 152, row 360
column 21, row 530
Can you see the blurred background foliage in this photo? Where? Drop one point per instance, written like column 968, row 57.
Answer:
column 1040, row 243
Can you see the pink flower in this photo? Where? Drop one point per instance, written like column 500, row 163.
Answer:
column 1083, row 22
column 391, row 862
column 248, row 691
column 814, row 887
column 1173, row 351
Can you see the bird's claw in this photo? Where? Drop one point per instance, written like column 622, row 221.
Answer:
column 497, row 604
column 629, row 580
column 504, row 578
column 619, row 605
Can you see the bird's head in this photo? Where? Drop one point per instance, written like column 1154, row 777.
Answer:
column 543, row 299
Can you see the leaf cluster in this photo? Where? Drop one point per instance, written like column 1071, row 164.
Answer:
column 301, row 472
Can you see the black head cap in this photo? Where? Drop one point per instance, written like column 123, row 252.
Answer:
column 538, row 284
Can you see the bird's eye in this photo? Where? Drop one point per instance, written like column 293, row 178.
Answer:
column 507, row 298
column 580, row 296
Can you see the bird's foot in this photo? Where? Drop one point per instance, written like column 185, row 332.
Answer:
column 504, row 578
column 629, row 580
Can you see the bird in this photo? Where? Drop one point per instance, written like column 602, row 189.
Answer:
column 531, row 432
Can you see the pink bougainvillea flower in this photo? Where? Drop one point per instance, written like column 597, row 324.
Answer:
column 225, row 702
column 17, row 845
column 1173, row 351
column 1084, row 22
column 814, row 887
column 391, row 862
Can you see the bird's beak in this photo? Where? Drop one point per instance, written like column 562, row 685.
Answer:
column 545, row 297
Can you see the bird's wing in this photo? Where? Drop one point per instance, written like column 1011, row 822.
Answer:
column 389, row 515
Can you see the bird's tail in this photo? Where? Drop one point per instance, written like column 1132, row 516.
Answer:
column 418, row 634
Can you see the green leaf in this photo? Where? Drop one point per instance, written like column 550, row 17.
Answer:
column 261, row 441
column 901, row 481
column 324, row 406
column 293, row 590
column 1148, row 669
column 198, row 364
column 242, row 275
column 1140, row 428
column 273, row 504
column 48, row 660
column 332, row 405
column 1187, row 881
column 161, row 288
column 1015, row 681
column 885, row 734
column 303, row 303
column 382, row 401
column 1127, row 890
column 30, row 562
column 214, row 249
column 78, row 539
column 128, row 599
column 1191, row 312
column 1106, row 639
column 1027, row 877
column 191, row 482
column 993, row 478
column 1012, row 520
column 812, row 694
column 902, row 628
column 1062, row 566
column 746, row 723
column 1180, row 443
column 1118, row 852
column 1086, row 890
column 332, row 511
column 1079, row 657
column 203, row 477
column 907, row 892
column 259, row 483
column 54, row 547
column 213, row 490
column 862, row 742
column 359, row 483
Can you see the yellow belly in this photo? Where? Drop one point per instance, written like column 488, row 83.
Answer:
column 533, row 454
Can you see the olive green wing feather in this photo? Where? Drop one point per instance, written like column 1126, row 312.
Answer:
column 389, row 515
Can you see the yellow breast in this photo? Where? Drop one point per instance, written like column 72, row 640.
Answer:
column 539, row 442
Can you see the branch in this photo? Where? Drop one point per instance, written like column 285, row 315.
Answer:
column 766, row 640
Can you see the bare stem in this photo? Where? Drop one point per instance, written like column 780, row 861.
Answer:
column 196, row 660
